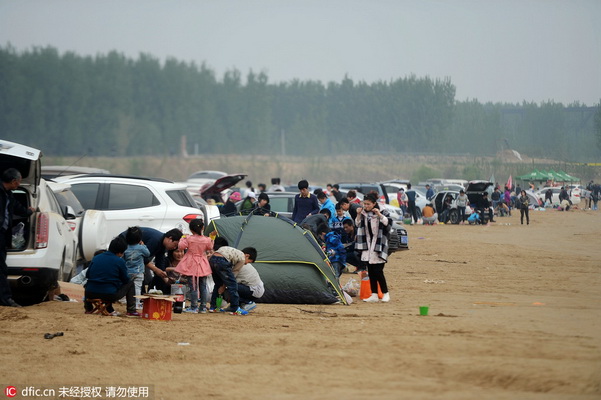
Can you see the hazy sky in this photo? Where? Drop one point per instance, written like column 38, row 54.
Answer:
column 492, row 50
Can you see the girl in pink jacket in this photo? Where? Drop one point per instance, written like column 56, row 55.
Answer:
column 195, row 265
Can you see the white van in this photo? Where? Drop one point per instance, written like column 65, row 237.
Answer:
column 48, row 252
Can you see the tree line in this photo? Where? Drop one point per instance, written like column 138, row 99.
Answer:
column 67, row 104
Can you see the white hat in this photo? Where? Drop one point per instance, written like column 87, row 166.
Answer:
column 252, row 195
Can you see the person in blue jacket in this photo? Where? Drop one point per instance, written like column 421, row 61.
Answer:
column 158, row 244
column 326, row 203
column 334, row 248
column 108, row 279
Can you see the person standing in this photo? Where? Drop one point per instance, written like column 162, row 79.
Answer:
column 429, row 193
column 524, row 204
column 158, row 243
column 276, row 186
column 195, row 265
column 11, row 180
column 373, row 231
column 402, row 199
column 485, row 208
column 326, row 203
column 134, row 257
column 411, row 208
column 305, row 203
column 495, row 197
column 461, row 202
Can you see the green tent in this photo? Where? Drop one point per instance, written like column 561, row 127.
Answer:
column 290, row 262
column 558, row 177
column 535, row 175
column 549, row 176
column 568, row 177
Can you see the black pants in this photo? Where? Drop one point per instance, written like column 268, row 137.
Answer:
column 524, row 211
column 376, row 275
column 5, row 292
column 412, row 210
column 128, row 291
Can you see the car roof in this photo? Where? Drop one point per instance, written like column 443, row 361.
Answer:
column 281, row 194
column 123, row 177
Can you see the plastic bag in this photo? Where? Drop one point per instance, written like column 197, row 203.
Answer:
column 18, row 238
column 351, row 287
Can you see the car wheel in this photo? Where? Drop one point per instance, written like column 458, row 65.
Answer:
column 454, row 217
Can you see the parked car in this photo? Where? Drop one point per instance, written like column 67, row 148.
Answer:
column 574, row 194
column 52, row 171
column 202, row 177
column 66, row 199
column 220, row 188
column 438, row 202
column 136, row 201
column 392, row 188
column 282, row 203
column 48, row 251
column 365, row 188
column 475, row 189
column 399, row 239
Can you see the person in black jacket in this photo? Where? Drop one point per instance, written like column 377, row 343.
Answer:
column 484, row 207
column 9, row 206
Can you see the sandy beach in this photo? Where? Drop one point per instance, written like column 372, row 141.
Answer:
column 515, row 313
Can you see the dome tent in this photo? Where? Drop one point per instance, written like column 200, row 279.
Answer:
column 291, row 264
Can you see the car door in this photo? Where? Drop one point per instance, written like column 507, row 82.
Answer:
column 61, row 238
column 128, row 204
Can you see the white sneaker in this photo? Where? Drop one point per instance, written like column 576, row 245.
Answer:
column 372, row 299
column 385, row 298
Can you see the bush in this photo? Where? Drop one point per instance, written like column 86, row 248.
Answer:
column 423, row 173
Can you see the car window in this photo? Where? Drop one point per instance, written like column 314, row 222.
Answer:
column 54, row 206
column 86, row 193
column 122, row 197
column 182, row 198
column 67, row 198
column 279, row 204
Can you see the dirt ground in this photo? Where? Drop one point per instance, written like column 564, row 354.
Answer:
column 515, row 313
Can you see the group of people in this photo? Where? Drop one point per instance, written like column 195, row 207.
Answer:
column 145, row 255
column 350, row 232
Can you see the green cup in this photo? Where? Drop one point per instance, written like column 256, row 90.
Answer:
column 423, row 310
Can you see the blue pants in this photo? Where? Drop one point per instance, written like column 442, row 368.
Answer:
column 196, row 285
column 461, row 213
column 223, row 275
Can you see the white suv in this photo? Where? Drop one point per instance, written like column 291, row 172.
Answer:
column 49, row 250
column 135, row 201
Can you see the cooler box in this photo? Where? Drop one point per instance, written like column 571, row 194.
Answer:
column 157, row 307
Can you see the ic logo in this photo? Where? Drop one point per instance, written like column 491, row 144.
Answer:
column 10, row 391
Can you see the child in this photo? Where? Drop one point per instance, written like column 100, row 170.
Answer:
column 224, row 262
column 195, row 265
column 337, row 224
column 334, row 249
column 474, row 218
column 134, row 259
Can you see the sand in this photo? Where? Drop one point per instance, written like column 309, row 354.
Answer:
column 515, row 313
